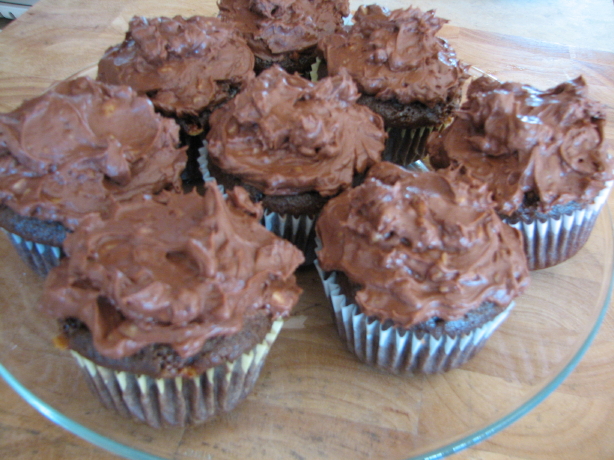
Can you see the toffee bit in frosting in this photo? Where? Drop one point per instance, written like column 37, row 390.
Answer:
column 421, row 245
column 276, row 27
column 524, row 142
column 285, row 135
column 397, row 56
column 81, row 146
column 175, row 269
column 183, row 65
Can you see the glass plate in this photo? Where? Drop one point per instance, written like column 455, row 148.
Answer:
column 313, row 398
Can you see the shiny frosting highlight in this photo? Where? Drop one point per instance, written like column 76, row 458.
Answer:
column 397, row 56
column 183, row 65
column 82, row 145
column 285, row 135
column 547, row 146
column 421, row 245
column 173, row 269
column 275, row 28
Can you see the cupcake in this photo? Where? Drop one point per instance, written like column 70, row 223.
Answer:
column 285, row 32
column 187, row 67
column 171, row 304
column 418, row 267
column 404, row 72
column 293, row 144
column 75, row 150
column 544, row 156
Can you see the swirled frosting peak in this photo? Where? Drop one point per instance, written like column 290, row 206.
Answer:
column 421, row 245
column 285, row 135
column 183, row 65
column 173, row 269
column 397, row 55
column 531, row 146
column 276, row 27
column 82, row 145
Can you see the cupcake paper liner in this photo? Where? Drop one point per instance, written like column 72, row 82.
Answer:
column 398, row 350
column 553, row 241
column 40, row 257
column 298, row 230
column 404, row 146
column 314, row 73
column 179, row 401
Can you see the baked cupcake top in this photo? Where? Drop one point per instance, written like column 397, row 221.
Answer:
column 82, row 145
column 274, row 28
column 421, row 245
column 534, row 148
column 183, row 65
column 285, row 135
column 397, row 56
column 174, row 269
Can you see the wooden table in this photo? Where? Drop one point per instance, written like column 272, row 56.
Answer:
column 56, row 38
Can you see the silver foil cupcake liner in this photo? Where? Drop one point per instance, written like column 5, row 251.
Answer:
column 397, row 350
column 404, row 146
column 40, row 257
column 555, row 240
column 179, row 401
column 298, row 230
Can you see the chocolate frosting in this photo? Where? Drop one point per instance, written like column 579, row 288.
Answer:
column 421, row 245
column 183, row 65
column 537, row 147
column 285, row 135
column 274, row 28
column 173, row 269
column 82, row 145
column 397, row 56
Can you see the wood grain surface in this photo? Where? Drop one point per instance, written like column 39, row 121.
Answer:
column 57, row 38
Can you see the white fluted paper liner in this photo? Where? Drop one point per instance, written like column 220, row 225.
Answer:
column 398, row 350
column 203, row 165
column 553, row 241
column 298, row 230
column 40, row 257
column 179, row 401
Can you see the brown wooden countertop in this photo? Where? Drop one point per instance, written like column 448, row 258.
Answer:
column 57, row 38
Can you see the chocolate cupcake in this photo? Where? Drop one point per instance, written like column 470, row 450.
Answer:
column 419, row 268
column 187, row 67
column 75, row 150
column 170, row 305
column 293, row 144
column 544, row 156
column 285, row 32
column 404, row 72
